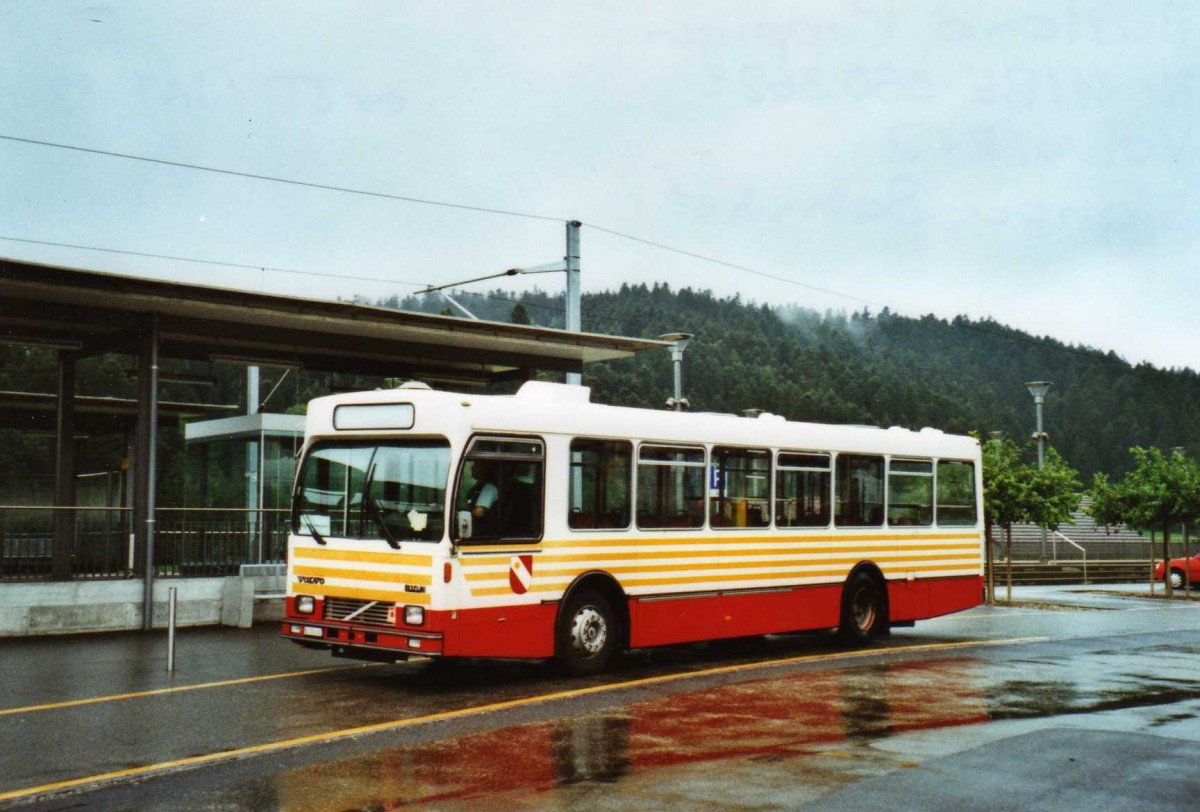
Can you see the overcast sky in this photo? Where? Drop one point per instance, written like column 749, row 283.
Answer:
column 1033, row 162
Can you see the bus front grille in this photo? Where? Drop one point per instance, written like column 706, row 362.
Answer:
column 352, row 609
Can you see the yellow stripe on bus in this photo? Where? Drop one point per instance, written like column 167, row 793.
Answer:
column 383, row 576
column 550, row 549
column 660, row 555
column 751, row 538
column 624, row 569
column 402, row 559
column 387, row 596
column 689, row 537
column 708, row 582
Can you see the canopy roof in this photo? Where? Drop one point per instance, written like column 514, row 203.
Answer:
column 95, row 312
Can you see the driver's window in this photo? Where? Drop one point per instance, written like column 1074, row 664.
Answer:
column 499, row 494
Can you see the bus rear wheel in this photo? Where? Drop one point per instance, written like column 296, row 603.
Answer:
column 588, row 633
column 863, row 613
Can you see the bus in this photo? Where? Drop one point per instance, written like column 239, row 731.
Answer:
column 542, row 525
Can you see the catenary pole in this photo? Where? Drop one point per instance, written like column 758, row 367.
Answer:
column 574, row 297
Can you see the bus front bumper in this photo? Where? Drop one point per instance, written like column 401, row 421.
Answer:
column 361, row 642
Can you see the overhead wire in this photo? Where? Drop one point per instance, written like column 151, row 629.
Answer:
column 221, row 263
column 465, row 207
column 275, row 179
column 735, row 267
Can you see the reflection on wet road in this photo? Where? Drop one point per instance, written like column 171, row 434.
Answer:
column 690, row 727
column 821, row 722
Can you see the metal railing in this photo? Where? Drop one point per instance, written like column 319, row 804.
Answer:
column 100, row 547
column 1054, row 551
column 188, row 541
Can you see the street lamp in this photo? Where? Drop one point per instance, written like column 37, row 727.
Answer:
column 1038, row 389
column 679, row 342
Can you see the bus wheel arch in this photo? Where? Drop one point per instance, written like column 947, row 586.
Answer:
column 592, row 627
column 864, row 614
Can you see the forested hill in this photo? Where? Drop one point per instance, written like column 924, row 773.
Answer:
column 878, row 369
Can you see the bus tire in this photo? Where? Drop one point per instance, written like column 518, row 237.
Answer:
column 862, row 618
column 588, row 633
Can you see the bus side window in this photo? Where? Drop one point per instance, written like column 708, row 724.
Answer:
column 499, row 494
column 955, row 494
column 670, row 487
column 802, row 490
column 910, row 493
column 741, row 479
column 859, row 491
column 599, row 490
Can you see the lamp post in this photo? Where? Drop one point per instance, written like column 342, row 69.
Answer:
column 1038, row 389
column 679, row 342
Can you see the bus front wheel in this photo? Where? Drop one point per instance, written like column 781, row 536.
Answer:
column 588, row 635
column 863, row 611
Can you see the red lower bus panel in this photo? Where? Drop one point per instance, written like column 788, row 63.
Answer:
column 682, row 620
column 918, row 600
column 528, row 631
column 510, row 631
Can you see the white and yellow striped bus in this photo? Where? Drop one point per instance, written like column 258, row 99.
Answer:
column 543, row 525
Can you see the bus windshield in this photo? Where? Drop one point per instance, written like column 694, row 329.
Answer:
column 392, row 491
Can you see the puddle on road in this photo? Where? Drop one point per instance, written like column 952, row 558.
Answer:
column 815, row 726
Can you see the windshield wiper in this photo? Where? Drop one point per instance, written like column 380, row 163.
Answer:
column 376, row 513
column 312, row 529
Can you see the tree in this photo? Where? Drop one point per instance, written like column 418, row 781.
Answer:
column 1015, row 492
column 1054, row 492
column 1161, row 491
column 520, row 315
column 1006, row 482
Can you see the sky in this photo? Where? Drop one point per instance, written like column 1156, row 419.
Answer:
column 1031, row 162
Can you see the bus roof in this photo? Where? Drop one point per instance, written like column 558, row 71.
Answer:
column 551, row 408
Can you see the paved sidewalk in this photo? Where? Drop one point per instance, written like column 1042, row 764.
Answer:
column 1100, row 596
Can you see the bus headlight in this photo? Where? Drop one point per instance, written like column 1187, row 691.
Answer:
column 414, row 615
column 305, row 604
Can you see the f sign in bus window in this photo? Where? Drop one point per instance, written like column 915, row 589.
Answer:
column 740, row 487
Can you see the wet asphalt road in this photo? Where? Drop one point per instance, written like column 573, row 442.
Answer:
column 995, row 708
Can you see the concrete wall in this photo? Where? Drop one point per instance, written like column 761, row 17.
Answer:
column 68, row 607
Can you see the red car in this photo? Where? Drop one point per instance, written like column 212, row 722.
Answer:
column 1178, row 566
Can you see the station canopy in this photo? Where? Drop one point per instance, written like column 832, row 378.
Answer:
column 92, row 313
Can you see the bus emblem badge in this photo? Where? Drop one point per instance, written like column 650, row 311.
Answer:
column 520, row 573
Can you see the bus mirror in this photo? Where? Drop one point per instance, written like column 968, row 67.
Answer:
column 464, row 524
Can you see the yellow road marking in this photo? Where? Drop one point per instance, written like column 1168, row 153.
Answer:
column 178, row 689
column 397, row 724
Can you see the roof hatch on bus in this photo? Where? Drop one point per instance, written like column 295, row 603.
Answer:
column 374, row 416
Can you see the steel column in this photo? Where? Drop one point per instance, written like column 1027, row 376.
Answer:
column 64, row 470
column 574, row 295
column 146, row 463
